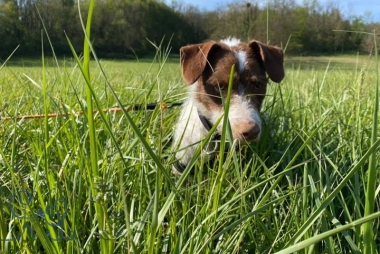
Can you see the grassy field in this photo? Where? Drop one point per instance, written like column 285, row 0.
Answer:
column 102, row 183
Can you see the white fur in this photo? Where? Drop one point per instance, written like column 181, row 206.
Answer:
column 242, row 58
column 242, row 110
column 188, row 133
column 231, row 41
column 240, row 55
column 189, row 130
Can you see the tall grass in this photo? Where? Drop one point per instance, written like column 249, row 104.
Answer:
column 369, row 245
column 94, row 178
column 101, row 182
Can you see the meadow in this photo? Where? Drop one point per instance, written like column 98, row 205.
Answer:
column 100, row 182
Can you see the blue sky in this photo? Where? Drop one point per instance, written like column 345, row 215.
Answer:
column 368, row 9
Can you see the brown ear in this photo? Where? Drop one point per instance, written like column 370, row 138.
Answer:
column 273, row 59
column 194, row 60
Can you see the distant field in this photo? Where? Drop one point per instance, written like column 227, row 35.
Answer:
column 347, row 62
column 130, row 79
column 303, row 181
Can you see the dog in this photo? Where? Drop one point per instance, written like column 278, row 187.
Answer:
column 206, row 70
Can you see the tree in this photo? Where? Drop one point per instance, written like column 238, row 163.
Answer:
column 10, row 27
column 125, row 27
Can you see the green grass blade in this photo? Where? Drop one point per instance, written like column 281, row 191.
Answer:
column 315, row 239
column 369, row 245
column 315, row 215
column 106, row 240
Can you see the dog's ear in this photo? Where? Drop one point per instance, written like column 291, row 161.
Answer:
column 273, row 59
column 194, row 60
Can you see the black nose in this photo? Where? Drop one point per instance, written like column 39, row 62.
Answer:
column 252, row 133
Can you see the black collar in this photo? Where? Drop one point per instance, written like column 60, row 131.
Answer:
column 208, row 125
column 180, row 167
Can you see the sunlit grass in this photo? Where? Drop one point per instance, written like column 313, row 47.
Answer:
column 302, row 187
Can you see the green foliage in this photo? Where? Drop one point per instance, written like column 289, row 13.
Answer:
column 125, row 28
column 120, row 28
column 10, row 26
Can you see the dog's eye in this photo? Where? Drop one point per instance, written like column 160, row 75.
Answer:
column 257, row 85
column 220, row 87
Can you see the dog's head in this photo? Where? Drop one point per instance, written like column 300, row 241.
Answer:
column 206, row 67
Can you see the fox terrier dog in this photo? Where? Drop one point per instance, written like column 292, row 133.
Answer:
column 206, row 70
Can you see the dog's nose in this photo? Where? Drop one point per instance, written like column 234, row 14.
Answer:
column 250, row 131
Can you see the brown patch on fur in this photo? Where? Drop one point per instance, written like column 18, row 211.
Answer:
column 272, row 58
column 194, row 60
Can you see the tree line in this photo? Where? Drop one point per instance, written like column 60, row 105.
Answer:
column 124, row 28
